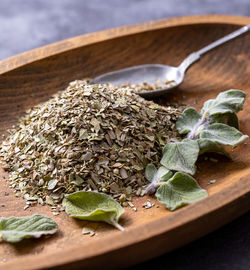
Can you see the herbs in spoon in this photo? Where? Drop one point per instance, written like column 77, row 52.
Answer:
column 209, row 131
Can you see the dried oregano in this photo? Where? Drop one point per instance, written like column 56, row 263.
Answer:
column 144, row 86
column 90, row 138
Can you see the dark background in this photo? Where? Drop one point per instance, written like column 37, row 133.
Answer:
column 27, row 24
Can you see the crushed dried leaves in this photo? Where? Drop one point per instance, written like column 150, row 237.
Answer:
column 144, row 86
column 87, row 137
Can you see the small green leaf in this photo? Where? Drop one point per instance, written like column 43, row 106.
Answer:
column 181, row 156
column 150, row 172
column 180, row 190
column 187, row 120
column 93, row 206
column 223, row 134
column 209, row 146
column 14, row 229
column 162, row 174
column 154, row 175
column 230, row 119
column 230, row 101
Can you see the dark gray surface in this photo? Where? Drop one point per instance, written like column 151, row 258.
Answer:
column 25, row 25
column 225, row 249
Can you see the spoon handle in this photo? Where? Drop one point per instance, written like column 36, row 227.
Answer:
column 222, row 40
column 193, row 57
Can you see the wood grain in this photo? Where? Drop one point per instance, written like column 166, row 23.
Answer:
column 32, row 77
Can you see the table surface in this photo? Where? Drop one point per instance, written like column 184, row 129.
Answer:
column 27, row 24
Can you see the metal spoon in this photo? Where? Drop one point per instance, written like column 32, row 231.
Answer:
column 152, row 72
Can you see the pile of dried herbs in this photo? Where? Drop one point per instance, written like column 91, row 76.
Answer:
column 87, row 137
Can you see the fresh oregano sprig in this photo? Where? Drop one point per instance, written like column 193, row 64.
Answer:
column 208, row 131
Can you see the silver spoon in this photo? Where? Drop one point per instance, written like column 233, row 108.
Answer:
column 151, row 72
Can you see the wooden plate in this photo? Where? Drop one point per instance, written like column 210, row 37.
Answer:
column 32, row 77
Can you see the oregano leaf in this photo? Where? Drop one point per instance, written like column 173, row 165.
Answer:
column 162, row 174
column 230, row 119
column 93, row 206
column 230, row 101
column 14, row 229
column 181, row 156
column 209, row 146
column 187, row 120
column 223, row 134
column 180, row 190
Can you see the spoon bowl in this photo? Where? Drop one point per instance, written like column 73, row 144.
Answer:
column 144, row 73
column 137, row 74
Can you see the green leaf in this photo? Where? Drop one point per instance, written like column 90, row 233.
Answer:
column 154, row 175
column 223, row 134
column 150, row 172
column 187, row 120
column 180, row 190
column 181, row 156
column 162, row 174
column 14, row 229
column 93, row 206
column 209, row 146
column 230, row 101
column 230, row 119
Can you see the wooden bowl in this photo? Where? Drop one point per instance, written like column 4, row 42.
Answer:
column 32, row 77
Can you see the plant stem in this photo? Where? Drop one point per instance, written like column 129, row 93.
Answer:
column 151, row 188
column 116, row 224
